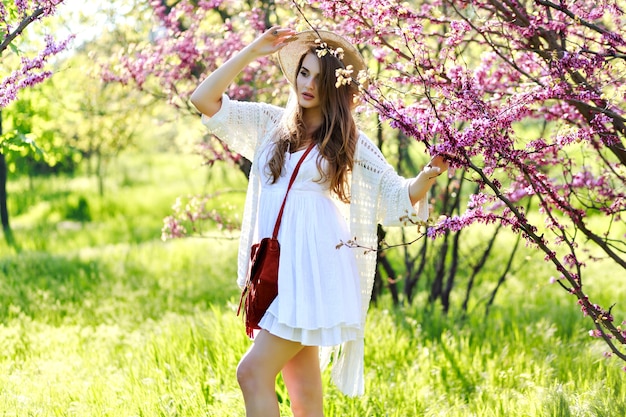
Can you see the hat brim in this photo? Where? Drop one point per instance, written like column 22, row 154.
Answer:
column 289, row 56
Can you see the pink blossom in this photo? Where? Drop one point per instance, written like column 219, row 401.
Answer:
column 458, row 30
column 22, row 6
column 31, row 70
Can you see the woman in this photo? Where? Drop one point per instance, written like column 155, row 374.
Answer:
column 323, row 291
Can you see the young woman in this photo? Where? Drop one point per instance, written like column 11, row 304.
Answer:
column 324, row 291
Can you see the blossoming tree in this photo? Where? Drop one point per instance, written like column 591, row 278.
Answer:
column 189, row 40
column 468, row 75
column 17, row 74
column 526, row 99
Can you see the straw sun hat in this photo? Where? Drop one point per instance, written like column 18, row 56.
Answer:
column 289, row 56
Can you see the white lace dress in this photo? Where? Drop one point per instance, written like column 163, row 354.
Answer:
column 319, row 301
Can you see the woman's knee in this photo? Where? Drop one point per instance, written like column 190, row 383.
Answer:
column 245, row 373
column 260, row 366
column 307, row 403
column 251, row 375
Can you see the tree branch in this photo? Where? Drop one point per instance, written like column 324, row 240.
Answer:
column 18, row 30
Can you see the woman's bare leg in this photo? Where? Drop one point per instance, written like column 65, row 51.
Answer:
column 257, row 373
column 303, row 379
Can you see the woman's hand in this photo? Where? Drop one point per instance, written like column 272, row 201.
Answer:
column 435, row 167
column 271, row 41
column 207, row 98
column 426, row 178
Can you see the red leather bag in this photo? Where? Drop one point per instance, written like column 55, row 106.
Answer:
column 262, row 281
column 262, row 286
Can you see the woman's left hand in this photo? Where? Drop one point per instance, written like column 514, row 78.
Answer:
column 435, row 167
column 425, row 179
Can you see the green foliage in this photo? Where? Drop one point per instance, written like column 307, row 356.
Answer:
column 33, row 137
column 64, row 213
column 17, row 141
column 78, row 209
column 101, row 317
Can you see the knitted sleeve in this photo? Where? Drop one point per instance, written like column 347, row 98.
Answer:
column 393, row 203
column 242, row 125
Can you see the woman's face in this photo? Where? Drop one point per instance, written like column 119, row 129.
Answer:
column 307, row 82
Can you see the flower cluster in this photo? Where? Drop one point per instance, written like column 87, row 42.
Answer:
column 344, row 76
column 31, row 70
column 192, row 214
column 323, row 49
column 185, row 49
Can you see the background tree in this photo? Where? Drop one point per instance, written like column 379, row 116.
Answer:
column 99, row 120
column 34, row 119
column 189, row 40
column 15, row 18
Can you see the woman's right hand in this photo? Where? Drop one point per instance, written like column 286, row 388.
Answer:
column 271, row 41
column 207, row 98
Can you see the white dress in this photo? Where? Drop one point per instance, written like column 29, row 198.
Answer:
column 318, row 300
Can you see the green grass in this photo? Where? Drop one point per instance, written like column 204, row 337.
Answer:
column 105, row 319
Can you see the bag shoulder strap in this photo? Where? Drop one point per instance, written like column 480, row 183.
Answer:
column 291, row 181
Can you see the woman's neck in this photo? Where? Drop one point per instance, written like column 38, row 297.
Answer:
column 312, row 119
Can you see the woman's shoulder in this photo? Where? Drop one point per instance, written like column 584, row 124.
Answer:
column 257, row 105
column 364, row 142
column 270, row 114
column 367, row 151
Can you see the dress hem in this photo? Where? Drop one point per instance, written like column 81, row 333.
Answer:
column 326, row 337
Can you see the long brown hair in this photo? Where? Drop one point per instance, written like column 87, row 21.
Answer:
column 336, row 136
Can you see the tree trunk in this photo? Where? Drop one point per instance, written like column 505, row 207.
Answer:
column 503, row 276
column 412, row 280
column 100, row 174
column 4, row 212
column 476, row 269
column 245, row 166
column 454, row 263
column 436, row 290
column 383, row 262
column 378, row 279
column 437, row 286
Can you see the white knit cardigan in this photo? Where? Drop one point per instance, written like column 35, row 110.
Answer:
column 378, row 195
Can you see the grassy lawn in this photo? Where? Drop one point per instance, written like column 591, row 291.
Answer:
column 102, row 318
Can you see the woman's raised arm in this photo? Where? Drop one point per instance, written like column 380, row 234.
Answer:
column 207, row 97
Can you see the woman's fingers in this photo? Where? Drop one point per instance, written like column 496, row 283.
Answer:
column 281, row 33
column 438, row 162
column 431, row 171
column 437, row 166
column 273, row 40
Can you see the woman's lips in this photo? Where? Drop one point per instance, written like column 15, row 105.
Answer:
column 308, row 96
